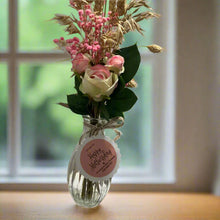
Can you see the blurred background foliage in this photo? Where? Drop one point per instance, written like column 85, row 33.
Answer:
column 50, row 132
column 3, row 113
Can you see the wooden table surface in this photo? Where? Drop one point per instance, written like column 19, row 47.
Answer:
column 116, row 205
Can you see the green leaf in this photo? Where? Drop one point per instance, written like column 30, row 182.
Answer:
column 113, row 113
column 120, row 86
column 78, row 104
column 78, row 81
column 108, row 112
column 132, row 61
column 121, row 102
column 104, row 112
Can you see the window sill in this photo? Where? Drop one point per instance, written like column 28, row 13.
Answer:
column 60, row 183
column 142, row 205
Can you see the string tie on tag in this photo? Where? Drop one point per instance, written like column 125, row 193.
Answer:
column 94, row 130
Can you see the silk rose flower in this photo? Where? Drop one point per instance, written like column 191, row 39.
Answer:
column 80, row 63
column 116, row 64
column 98, row 82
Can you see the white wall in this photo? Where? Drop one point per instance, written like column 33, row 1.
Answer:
column 196, row 147
column 216, row 99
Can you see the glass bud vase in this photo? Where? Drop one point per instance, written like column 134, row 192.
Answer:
column 86, row 193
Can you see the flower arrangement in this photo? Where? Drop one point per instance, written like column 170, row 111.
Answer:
column 103, row 72
column 104, row 75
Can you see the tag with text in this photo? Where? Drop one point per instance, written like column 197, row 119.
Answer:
column 98, row 158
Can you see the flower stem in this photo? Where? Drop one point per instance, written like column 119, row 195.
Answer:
column 87, row 187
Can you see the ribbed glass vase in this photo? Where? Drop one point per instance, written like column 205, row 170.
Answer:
column 86, row 193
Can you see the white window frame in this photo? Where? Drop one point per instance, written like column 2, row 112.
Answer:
column 163, row 137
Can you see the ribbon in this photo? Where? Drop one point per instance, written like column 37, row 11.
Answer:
column 114, row 123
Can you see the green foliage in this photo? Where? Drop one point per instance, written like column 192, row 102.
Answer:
column 4, row 25
column 132, row 61
column 123, row 99
column 120, row 102
column 109, row 112
column 78, row 81
column 78, row 104
column 120, row 87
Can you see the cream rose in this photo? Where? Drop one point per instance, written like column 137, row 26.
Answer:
column 98, row 82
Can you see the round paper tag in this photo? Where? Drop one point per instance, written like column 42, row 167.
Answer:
column 98, row 158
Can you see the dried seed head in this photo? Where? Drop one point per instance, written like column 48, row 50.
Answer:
column 66, row 20
column 137, row 4
column 145, row 15
column 62, row 19
column 79, row 4
column 132, row 84
column 121, row 7
column 154, row 48
column 72, row 29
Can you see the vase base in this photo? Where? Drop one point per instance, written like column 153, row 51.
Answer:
column 86, row 193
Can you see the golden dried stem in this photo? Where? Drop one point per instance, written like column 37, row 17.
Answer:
column 121, row 7
column 63, row 104
column 98, row 8
column 112, row 5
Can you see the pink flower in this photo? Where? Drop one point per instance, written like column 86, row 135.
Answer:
column 98, row 82
column 76, row 39
column 80, row 63
column 80, row 12
column 116, row 61
column 108, row 54
column 88, row 11
column 56, row 41
column 100, row 72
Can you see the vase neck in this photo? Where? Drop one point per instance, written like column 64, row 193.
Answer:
column 89, row 122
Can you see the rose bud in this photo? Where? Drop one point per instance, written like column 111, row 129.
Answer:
column 80, row 63
column 116, row 61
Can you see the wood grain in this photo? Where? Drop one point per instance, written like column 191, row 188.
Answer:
column 126, row 206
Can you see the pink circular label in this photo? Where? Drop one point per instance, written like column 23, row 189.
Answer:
column 98, row 158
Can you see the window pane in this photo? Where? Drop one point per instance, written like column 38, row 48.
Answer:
column 3, row 25
column 136, row 139
column 3, row 114
column 50, row 132
column 36, row 31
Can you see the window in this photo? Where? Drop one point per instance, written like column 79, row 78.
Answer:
column 41, row 135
